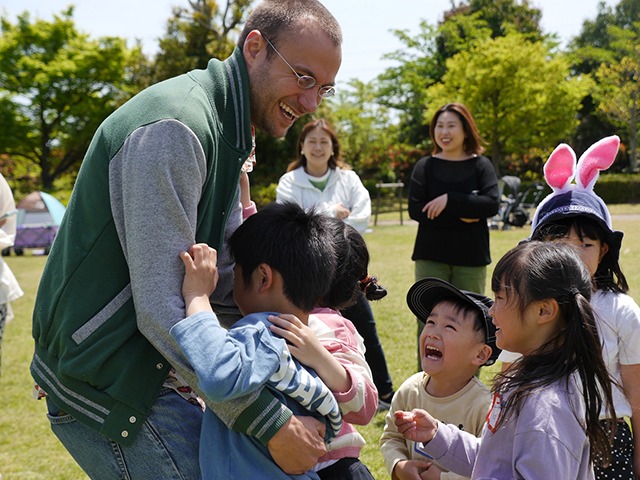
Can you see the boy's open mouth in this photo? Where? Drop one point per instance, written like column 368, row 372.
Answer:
column 432, row 352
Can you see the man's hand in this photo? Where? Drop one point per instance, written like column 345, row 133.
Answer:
column 298, row 444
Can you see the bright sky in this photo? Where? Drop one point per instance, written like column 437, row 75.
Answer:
column 366, row 24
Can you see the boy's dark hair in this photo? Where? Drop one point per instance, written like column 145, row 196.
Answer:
column 297, row 244
column 351, row 278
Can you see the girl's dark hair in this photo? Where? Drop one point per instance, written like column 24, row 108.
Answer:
column 535, row 271
column 351, row 278
column 608, row 276
column 334, row 161
column 472, row 140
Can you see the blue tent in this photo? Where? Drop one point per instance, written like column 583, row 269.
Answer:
column 39, row 216
column 40, row 208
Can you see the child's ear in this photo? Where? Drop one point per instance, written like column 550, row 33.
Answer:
column 265, row 277
column 547, row 310
column 483, row 355
column 604, row 248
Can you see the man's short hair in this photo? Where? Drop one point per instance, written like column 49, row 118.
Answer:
column 276, row 17
column 297, row 244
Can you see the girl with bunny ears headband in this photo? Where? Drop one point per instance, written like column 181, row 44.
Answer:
column 576, row 204
column 573, row 213
column 568, row 199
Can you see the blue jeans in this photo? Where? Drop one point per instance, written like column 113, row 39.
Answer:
column 346, row 469
column 165, row 448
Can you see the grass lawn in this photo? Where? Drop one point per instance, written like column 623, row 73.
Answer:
column 28, row 449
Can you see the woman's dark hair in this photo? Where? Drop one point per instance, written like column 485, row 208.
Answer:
column 334, row 161
column 608, row 276
column 472, row 140
column 351, row 278
column 535, row 271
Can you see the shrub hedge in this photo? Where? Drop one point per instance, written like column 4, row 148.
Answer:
column 613, row 188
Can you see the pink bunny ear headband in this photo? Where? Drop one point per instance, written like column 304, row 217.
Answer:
column 572, row 199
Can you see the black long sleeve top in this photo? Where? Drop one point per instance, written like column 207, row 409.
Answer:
column 472, row 188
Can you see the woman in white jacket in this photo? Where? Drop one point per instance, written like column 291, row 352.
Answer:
column 319, row 179
column 9, row 288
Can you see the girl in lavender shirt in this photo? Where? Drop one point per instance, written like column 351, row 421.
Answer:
column 543, row 422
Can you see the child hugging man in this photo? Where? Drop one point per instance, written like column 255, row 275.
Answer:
column 458, row 338
column 285, row 261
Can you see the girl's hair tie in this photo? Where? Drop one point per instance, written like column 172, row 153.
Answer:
column 371, row 288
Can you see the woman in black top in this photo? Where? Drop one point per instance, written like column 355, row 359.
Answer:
column 452, row 193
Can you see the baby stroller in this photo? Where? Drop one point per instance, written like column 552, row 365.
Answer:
column 516, row 206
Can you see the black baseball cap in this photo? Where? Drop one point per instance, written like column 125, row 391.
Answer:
column 427, row 292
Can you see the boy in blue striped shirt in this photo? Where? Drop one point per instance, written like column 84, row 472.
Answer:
column 285, row 261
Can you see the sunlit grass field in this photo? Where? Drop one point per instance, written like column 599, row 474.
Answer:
column 28, row 450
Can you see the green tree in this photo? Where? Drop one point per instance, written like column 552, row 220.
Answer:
column 402, row 87
column 422, row 60
column 197, row 33
column 363, row 125
column 593, row 45
column 618, row 90
column 505, row 16
column 589, row 50
column 518, row 91
column 56, row 86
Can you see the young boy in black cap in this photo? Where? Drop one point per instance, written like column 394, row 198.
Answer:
column 458, row 338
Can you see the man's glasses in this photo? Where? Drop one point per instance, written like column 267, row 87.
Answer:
column 306, row 81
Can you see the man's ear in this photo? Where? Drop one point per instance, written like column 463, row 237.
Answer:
column 547, row 310
column 253, row 45
column 265, row 277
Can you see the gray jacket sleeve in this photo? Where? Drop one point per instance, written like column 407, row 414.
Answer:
column 156, row 181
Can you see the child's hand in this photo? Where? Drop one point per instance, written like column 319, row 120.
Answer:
column 245, row 190
column 416, row 425
column 415, row 470
column 303, row 343
column 342, row 212
column 431, row 473
column 307, row 349
column 200, row 277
